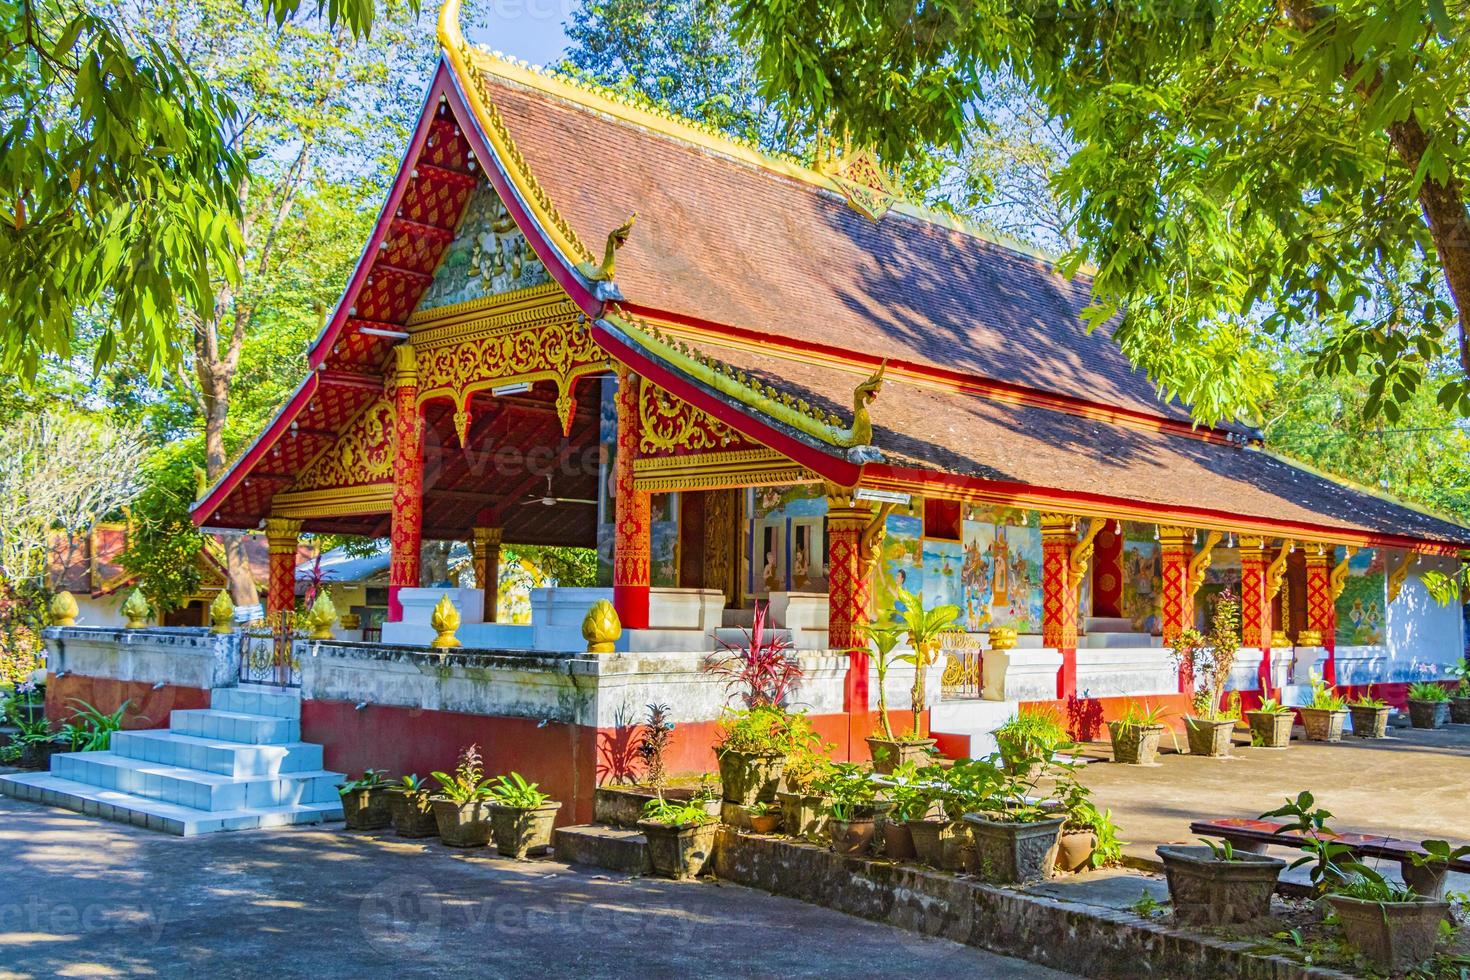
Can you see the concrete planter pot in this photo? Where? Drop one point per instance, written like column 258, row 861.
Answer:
column 898, row 841
column 1205, row 891
column 1322, row 724
column 1271, row 729
column 679, row 851
column 413, row 814
column 1012, row 853
column 463, row 824
column 1209, row 736
column 889, row 754
column 1460, row 711
column 367, row 809
column 803, row 815
column 1135, row 745
column 929, row 838
column 1394, row 936
column 1370, row 722
column 1429, row 714
column 520, row 830
column 852, row 838
column 751, row 777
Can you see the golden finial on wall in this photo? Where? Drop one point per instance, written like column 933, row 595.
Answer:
column 64, row 609
column 135, row 611
column 222, row 613
column 445, row 620
column 601, row 628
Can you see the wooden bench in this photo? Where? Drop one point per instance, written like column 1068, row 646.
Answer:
column 1255, row 836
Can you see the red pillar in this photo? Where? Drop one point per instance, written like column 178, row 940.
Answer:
column 1319, row 606
column 1176, row 549
column 1255, row 605
column 405, row 536
column 848, row 584
column 1059, row 597
column 1107, row 571
column 281, row 536
column 632, row 514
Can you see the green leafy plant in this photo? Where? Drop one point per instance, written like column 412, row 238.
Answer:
column 35, row 732
column 1367, row 700
column 924, row 627
column 1209, row 659
column 1032, row 733
column 513, row 790
column 90, row 729
column 1271, row 706
column 676, row 813
column 1142, row 715
column 1438, row 853
column 1083, row 815
column 1370, row 886
column 1325, row 696
column 808, row 764
column 370, row 779
column 847, row 787
column 468, row 782
column 1146, row 906
column 1220, row 850
column 415, row 790
column 760, row 808
column 1331, row 861
column 1426, row 691
column 886, row 639
column 655, row 735
column 764, row 729
column 910, row 794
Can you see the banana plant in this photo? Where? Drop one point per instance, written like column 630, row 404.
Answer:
column 924, row 627
column 885, row 637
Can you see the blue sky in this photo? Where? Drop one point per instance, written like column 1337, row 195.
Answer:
column 528, row 29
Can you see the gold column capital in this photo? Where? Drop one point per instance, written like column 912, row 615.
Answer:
column 405, row 367
column 281, row 534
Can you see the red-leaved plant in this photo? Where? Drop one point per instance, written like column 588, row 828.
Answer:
column 761, row 668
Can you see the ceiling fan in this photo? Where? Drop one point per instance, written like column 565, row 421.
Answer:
column 548, row 500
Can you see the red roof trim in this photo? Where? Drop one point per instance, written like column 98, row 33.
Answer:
column 203, row 511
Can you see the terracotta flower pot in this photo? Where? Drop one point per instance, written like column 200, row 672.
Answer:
column 1370, row 722
column 463, row 824
column 1074, row 850
column 1205, row 891
column 766, row 823
column 1135, row 745
column 1460, row 711
column 748, row 778
column 679, row 850
column 1429, row 714
column 520, row 830
column 929, row 837
column 1394, row 936
column 413, row 815
column 367, row 809
column 803, row 814
column 898, row 841
column 1323, row 724
column 852, row 838
column 1272, row 729
column 1012, row 853
column 888, row 754
column 1209, row 736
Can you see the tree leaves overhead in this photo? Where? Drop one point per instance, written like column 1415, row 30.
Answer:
column 1241, row 173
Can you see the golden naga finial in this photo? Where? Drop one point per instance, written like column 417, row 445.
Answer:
column 1200, row 563
column 64, row 609
column 222, row 613
column 1397, row 577
column 445, row 620
column 615, row 240
column 1081, row 554
column 1276, row 571
column 601, row 627
column 1337, row 581
column 861, row 433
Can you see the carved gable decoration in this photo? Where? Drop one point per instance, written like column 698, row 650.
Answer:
column 862, row 181
column 362, row 454
column 669, row 426
column 488, row 256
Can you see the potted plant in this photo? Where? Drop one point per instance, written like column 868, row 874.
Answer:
column 1136, row 735
column 1460, row 698
column 1369, row 716
column 460, row 806
column 521, row 816
column 655, row 735
column 681, row 837
column 37, row 743
column 1216, row 885
column 1425, row 872
column 764, row 818
column 1271, row 724
column 887, row 750
column 1089, row 836
column 1013, row 834
column 911, row 800
column 412, row 807
column 851, row 797
column 1323, row 717
column 1386, row 922
column 1028, row 736
column 1429, row 705
column 753, row 746
column 365, row 802
column 1209, row 660
column 803, row 808
column 935, row 833
column 924, row 628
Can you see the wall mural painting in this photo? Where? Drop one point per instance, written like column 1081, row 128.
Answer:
column 1360, row 608
column 663, row 541
column 1224, row 572
column 900, row 564
column 607, row 434
column 786, row 547
column 1142, row 578
column 944, row 563
column 1001, row 570
column 489, row 255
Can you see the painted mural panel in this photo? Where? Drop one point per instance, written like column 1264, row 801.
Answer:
column 944, row 583
column 1360, row 608
column 663, row 541
column 489, row 255
column 786, row 547
column 1224, row 573
column 1142, row 578
column 900, row 564
column 1001, row 570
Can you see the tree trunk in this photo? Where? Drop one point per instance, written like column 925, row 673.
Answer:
column 214, row 390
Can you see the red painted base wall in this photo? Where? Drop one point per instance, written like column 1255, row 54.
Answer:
column 149, row 708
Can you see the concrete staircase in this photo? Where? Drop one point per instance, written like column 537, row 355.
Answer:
column 238, row 765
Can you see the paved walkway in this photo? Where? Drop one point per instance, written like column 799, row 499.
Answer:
column 83, row 897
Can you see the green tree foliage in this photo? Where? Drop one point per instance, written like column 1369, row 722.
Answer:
column 163, row 543
column 1238, row 171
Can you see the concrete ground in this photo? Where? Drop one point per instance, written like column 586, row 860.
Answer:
column 83, row 897
column 1411, row 785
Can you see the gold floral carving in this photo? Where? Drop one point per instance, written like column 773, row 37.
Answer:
column 668, row 424
column 362, row 454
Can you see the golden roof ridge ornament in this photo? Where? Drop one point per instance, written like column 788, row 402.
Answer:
column 616, row 239
column 859, row 174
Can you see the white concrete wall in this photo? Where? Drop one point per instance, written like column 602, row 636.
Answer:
column 1110, row 672
column 187, row 657
column 1422, row 637
column 101, row 612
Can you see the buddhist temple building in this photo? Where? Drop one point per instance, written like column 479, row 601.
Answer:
column 747, row 379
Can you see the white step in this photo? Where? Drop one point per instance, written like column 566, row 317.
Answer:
column 217, row 755
column 110, row 804
column 232, row 726
column 971, row 722
column 192, row 787
column 249, row 699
